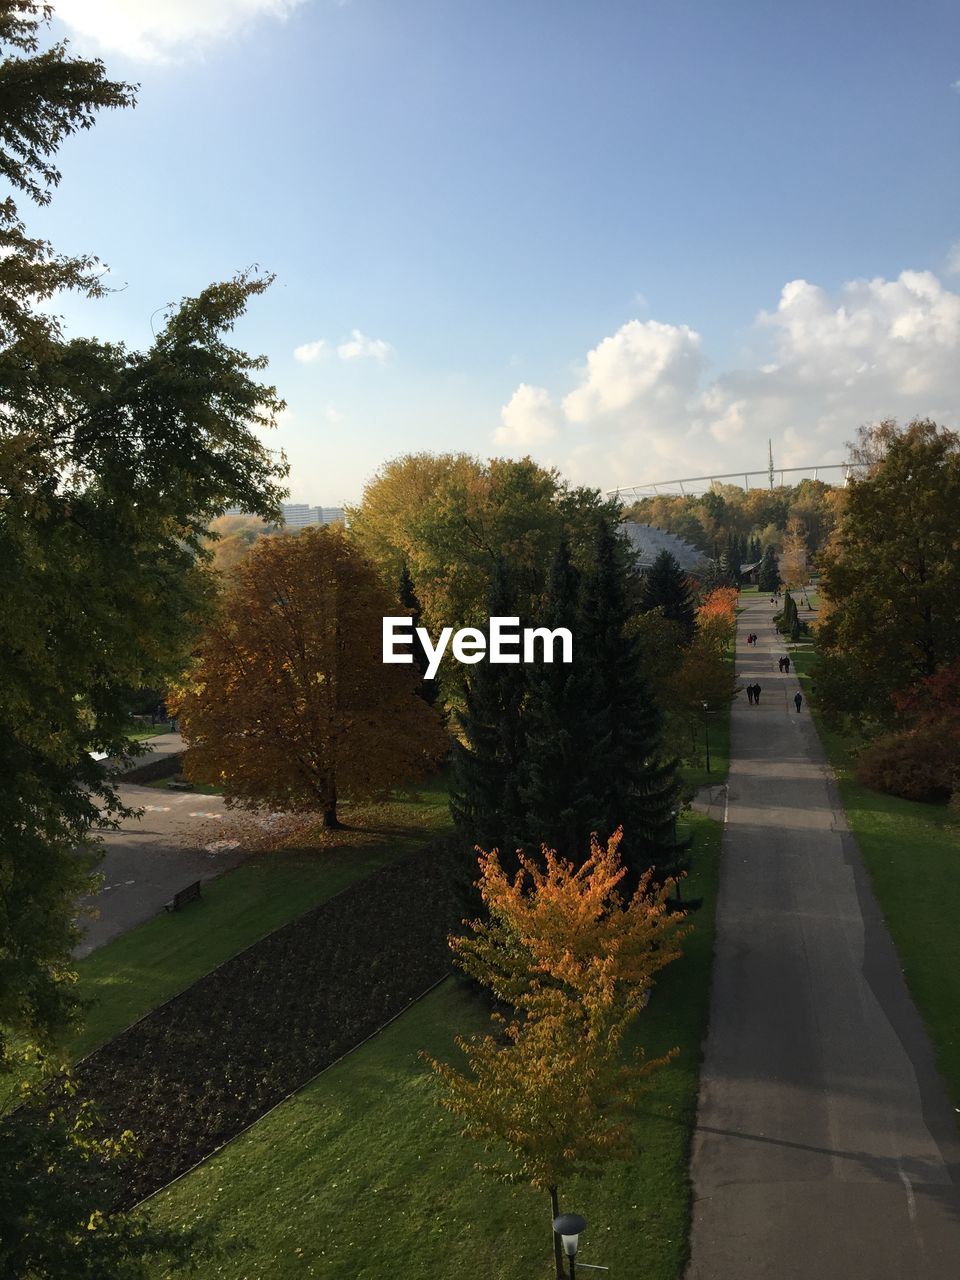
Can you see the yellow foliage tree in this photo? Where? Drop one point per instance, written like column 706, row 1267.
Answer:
column 554, row 1090
column 793, row 558
column 289, row 705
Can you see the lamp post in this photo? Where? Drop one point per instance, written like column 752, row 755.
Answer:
column 568, row 1227
column 706, row 733
column 676, row 855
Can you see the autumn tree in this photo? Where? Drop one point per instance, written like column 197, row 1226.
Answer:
column 705, row 673
column 230, row 539
column 289, row 705
column 891, row 573
column 793, row 558
column 553, row 1089
column 450, row 518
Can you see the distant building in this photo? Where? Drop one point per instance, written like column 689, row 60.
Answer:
column 649, row 540
column 300, row 515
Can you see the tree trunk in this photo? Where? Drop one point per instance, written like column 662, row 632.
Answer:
column 557, row 1252
column 330, row 820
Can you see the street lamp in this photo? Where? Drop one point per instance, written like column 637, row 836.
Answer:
column 568, row 1227
column 706, row 732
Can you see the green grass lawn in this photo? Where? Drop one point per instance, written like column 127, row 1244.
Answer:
column 149, row 964
column 912, row 852
column 361, row 1174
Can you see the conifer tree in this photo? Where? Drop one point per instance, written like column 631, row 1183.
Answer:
column 639, row 786
column 567, row 742
column 768, row 578
column 409, row 600
column 667, row 587
column 487, row 763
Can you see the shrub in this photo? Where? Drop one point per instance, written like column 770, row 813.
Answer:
column 922, row 763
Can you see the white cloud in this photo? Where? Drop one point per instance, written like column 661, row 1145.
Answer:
column 641, row 409
column 333, row 415
column 953, row 259
column 311, row 352
column 531, row 418
column 360, row 347
column 152, row 30
column 639, row 362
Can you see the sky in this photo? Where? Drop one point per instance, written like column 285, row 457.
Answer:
column 632, row 240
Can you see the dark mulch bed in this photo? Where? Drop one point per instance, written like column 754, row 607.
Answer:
column 196, row 1071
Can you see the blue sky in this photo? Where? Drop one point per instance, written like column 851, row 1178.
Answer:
column 565, row 228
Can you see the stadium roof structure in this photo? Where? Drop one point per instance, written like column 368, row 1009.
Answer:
column 648, row 540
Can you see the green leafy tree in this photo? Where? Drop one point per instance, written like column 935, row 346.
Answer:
column 891, row 573
column 58, row 1178
column 112, row 463
column 667, row 587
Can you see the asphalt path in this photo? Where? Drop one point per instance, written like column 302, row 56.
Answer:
column 825, row 1145
column 149, row 858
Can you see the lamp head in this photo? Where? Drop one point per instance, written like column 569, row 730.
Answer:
column 568, row 1226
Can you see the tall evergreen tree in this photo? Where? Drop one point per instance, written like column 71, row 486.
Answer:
column 640, row 786
column 667, row 587
column 487, row 763
column 567, row 741
column 768, row 578
column 427, row 689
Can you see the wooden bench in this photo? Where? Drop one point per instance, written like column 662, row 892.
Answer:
column 190, row 894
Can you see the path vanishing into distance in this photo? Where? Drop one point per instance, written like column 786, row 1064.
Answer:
column 825, row 1147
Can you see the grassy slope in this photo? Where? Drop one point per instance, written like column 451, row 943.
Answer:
column 362, row 1174
column 154, row 961
column 912, row 852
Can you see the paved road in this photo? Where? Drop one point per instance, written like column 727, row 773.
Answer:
column 825, row 1147
column 148, row 859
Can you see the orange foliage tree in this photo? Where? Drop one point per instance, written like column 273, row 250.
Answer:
column 289, row 705
column 553, row 1089
column 705, row 674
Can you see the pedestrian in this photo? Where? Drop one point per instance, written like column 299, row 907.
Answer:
column 786, row 665
column 750, row 694
column 756, row 695
column 798, row 699
column 780, row 664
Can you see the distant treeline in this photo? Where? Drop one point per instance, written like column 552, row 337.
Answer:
column 741, row 522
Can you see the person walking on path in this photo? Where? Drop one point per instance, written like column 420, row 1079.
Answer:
column 750, row 694
column 798, row 700
column 780, row 664
column 786, row 665
column 756, row 694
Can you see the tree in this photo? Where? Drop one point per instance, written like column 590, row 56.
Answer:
column 451, row 518
column 57, row 1182
column 576, row 961
column 112, row 464
column 410, row 603
column 891, row 572
column 488, row 761
column 768, row 577
column 667, row 587
column 638, row 782
column 793, row 559
column 289, row 705
column 567, row 740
